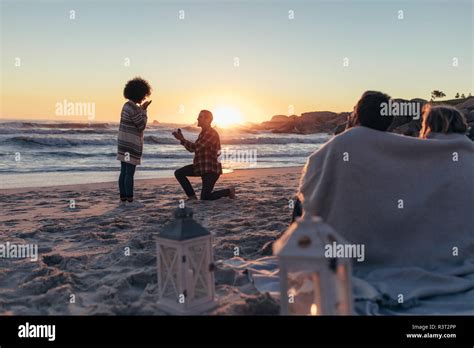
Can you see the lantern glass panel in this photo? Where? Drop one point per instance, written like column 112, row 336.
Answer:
column 304, row 293
column 199, row 266
column 169, row 271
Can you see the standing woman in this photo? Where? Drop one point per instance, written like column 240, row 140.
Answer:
column 130, row 137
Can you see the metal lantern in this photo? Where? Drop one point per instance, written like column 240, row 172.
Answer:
column 185, row 266
column 310, row 282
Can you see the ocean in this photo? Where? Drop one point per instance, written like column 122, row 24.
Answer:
column 51, row 153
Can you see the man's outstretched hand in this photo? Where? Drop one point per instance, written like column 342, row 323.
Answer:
column 145, row 104
column 178, row 135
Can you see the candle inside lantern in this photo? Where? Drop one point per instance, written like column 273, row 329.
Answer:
column 310, row 282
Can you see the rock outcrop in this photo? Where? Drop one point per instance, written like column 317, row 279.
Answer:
column 307, row 123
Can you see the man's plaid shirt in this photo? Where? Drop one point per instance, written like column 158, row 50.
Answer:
column 206, row 150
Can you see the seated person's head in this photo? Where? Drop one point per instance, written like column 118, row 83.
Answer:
column 367, row 111
column 442, row 119
column 137, row 90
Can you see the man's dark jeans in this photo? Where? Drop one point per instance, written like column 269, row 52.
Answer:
column 208, row 182
column 127, row 171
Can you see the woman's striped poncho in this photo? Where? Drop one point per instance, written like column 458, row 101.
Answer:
column 130, row 138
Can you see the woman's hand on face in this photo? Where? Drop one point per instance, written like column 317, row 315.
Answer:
column 144, row 106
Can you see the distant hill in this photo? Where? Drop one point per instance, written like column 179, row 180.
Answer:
column 307, row 123
column 454, row 102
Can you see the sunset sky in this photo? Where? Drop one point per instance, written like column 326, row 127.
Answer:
column 190, row 62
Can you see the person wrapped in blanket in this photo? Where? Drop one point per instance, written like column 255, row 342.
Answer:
column 366, row 114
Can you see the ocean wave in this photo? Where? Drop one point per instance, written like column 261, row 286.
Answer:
column 57, row 131
column 270, row 141
column 151, row 140
column 151, row 155
column 77, row 128
column 47, row 141
column 71, row 154
column 65, row 125
column 81, row 170
column 92, row 130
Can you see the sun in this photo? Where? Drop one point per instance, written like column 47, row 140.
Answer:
column 226, row 116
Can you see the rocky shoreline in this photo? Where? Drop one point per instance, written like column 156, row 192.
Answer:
column 334, row 123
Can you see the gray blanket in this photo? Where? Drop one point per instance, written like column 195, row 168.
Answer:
column 426, row 293
column 410, row 202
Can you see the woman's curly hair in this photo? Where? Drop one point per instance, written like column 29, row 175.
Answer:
column 137, row 89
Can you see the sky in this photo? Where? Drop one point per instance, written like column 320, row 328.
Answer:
column 249, row 60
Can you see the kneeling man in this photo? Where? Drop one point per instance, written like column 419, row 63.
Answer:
column 206, row 165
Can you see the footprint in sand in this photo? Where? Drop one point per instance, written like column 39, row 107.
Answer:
column 52, row 260
column 53, row 228
column 27, row 234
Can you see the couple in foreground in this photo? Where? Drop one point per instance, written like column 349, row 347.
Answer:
column 440, row 122
column 405, row 201
column 206, row 148
column 408, row 201
column 402, row 197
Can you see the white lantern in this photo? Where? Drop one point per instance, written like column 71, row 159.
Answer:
column 310, row 282
column 185, row 266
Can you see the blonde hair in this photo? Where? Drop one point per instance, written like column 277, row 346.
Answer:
column 442, row 119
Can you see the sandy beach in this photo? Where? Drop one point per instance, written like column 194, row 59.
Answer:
column 81, row 250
